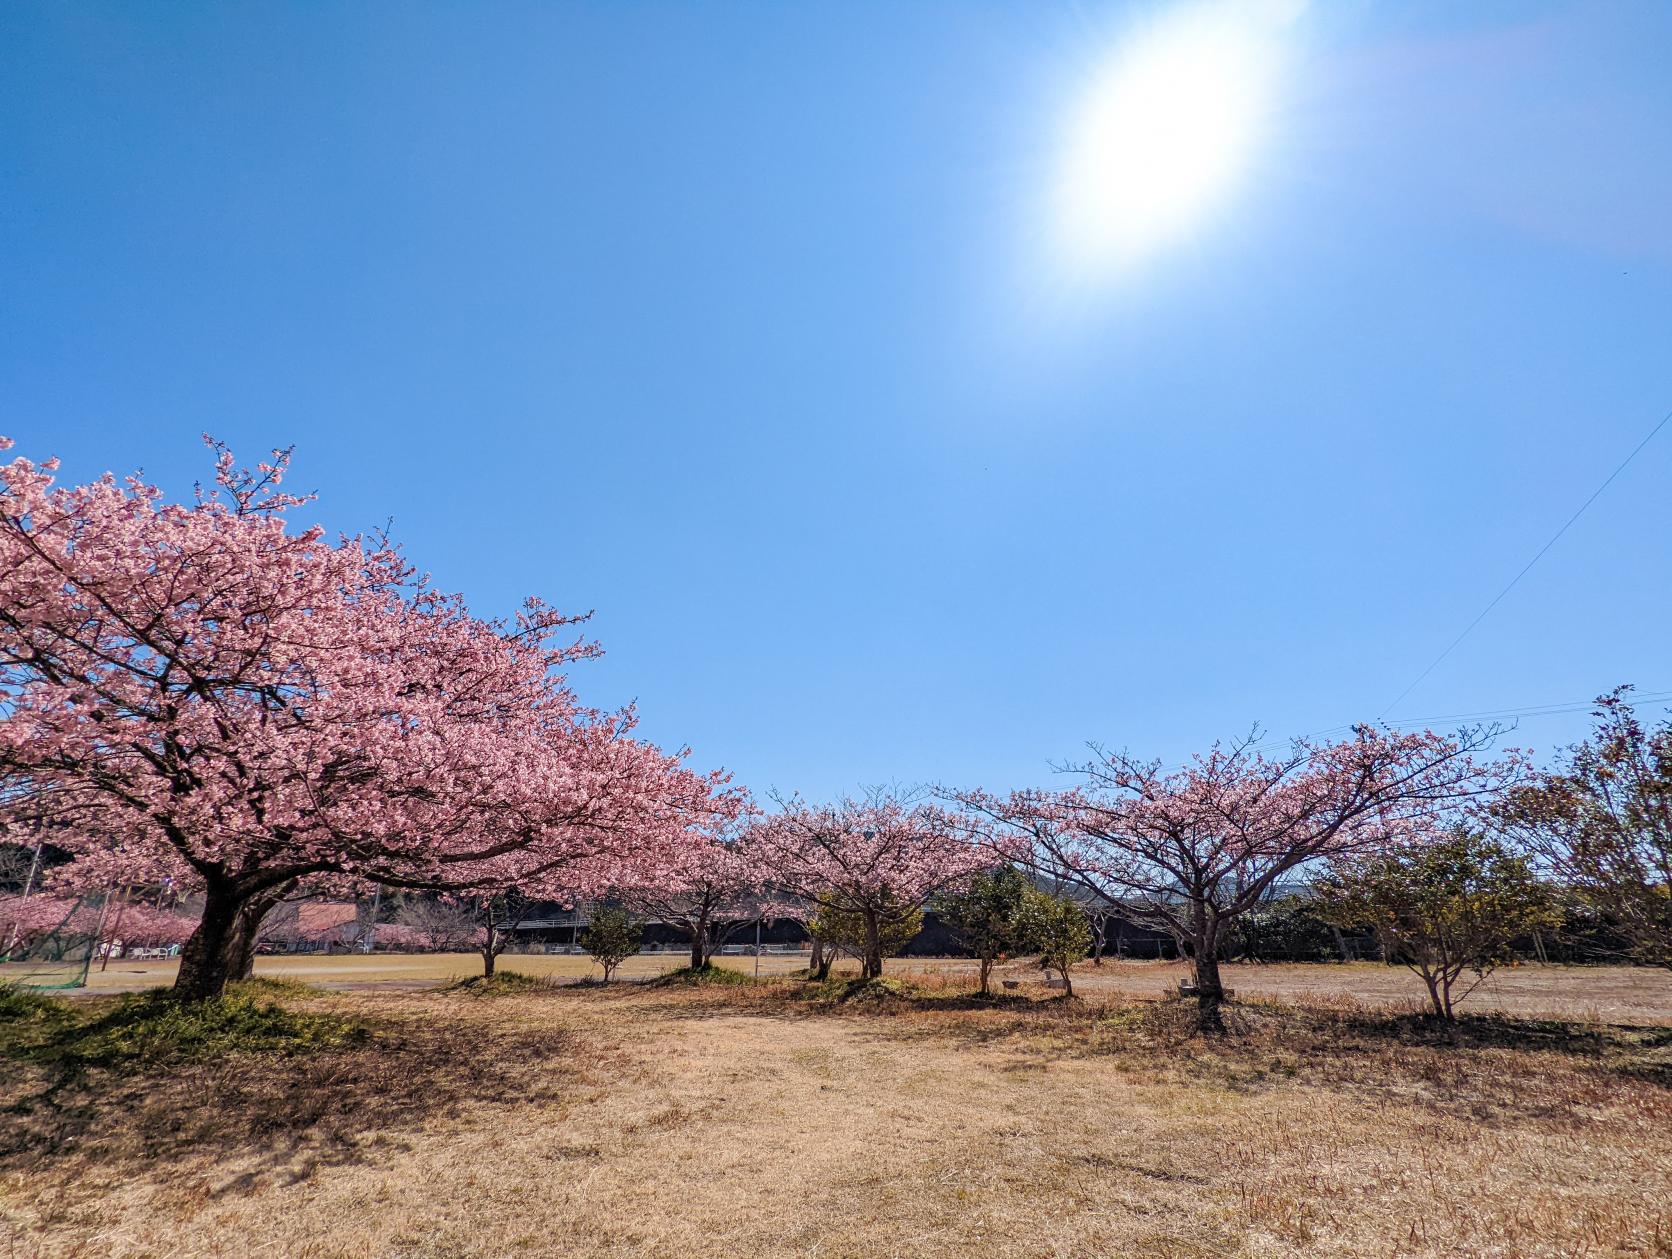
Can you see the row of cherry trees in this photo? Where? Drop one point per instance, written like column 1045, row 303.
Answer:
column 1187, row 852
column 202, row 693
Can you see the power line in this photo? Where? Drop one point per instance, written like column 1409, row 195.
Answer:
column 1558, row 709
column 1533, row 710
column 1554, row 538
column 1504, row 714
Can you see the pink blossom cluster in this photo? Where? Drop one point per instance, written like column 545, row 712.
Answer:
column 1189, row 849
column 24, row 923
column 885, row 851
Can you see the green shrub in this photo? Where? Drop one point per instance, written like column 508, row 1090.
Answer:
column 1058, row 928
column 866, row 990
column 843, row 931
column 990, row 918
column 611, row 938
column 1454, row 903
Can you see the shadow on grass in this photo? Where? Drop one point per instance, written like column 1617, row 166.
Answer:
column 1491, row 1067
column 245, row 1086
column 679, row 997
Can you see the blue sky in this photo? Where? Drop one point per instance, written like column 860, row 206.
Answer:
column 738, row 324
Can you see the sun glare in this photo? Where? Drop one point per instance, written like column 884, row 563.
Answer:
column 1166, row 128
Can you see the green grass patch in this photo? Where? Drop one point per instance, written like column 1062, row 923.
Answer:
column 694, row 976
column 22, row 1008
column 505, row 983
column 274, row 988
column 155, row 1027
column 857, row 992
column 865, row 991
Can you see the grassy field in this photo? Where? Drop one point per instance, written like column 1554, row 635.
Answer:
column 787, row 1118
column 1592, row 993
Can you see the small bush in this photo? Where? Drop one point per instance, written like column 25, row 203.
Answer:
column 612, row 937
column 868, row 991
column 876, row 990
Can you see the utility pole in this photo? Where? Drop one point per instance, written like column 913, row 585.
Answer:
column 34, row 869
column 116, row 927
column 98, row 935
column 28, row 886
column 757, row 948
column 370, row 938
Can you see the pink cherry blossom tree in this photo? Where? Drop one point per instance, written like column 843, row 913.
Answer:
column 199, row 690
column 137, row 924
column 708, row 888
column 880, row 857
column 493, row 921
column 1190, row 851
column 41, row 920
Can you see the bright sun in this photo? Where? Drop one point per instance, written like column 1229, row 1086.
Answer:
column 1166, row 128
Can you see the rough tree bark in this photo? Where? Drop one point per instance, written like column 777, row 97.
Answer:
column 701, row 947
column 222, row 949
column 818, row 965
column 490, row 949
column 873, row 946
column 1210, row 989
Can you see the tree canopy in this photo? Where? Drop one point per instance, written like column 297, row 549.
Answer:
column 200, row 691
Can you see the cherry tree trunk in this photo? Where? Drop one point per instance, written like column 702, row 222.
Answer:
column 490, row 953
column 872, row 968
column 700, row 948
column 222, row 949
column 243, row 949
column 1210, row 990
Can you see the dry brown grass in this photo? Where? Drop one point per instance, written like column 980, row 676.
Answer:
column 1618, row 994
column 778, row 1119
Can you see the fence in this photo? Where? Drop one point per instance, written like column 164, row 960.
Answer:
column 54, row 941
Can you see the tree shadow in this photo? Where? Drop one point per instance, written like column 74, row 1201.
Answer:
column 1490, row 1066
column 1495, row 1068
column 795, row 998
column 257, row 1090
